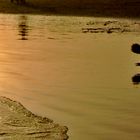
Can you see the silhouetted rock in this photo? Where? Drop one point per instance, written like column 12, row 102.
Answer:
column 136, row 79
column 136, row 48
column 137, row 64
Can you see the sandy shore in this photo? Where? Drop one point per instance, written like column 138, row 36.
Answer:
column 117, row 8
column 18, row 123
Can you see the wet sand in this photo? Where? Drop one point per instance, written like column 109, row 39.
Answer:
column 18, row 123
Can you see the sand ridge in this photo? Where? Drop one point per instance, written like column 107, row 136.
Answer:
column 17, row 122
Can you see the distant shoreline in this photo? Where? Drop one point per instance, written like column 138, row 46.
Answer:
column 97, row 10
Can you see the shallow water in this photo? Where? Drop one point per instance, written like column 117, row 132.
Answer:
column 81, row 80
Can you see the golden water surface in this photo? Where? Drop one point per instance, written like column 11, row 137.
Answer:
column 81, row 80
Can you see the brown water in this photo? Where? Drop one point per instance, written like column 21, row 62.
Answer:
column 81, row 80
